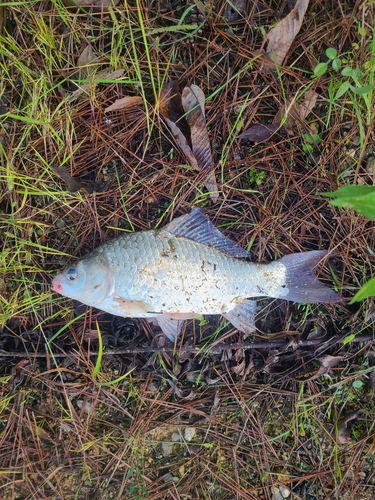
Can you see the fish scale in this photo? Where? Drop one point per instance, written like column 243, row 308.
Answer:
column 189, row 278
column 184, row 270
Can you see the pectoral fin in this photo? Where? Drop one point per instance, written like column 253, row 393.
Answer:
column 170, row 326
column 243, row 316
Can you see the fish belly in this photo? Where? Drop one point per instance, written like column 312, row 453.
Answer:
column 157, row 272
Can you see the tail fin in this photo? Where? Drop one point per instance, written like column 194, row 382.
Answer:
column 301, row 282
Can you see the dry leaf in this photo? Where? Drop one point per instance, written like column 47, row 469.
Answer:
column 216, row 404
column 184, row 116
column 191, row 102
column 307, row 105
column 281, row 37
column 346, row 424
column 85, row 59
column 211, row 186
column 326, row 363
column 296, row 111
column 234, row 10
column 125, row 102
column 170, row 107
column 262, row 133
column 73, row 184
column 187, row 394
column 85, row 88
column 372, row 382
column 94, row 3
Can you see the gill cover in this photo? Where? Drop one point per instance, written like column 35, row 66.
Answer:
column 90, row 281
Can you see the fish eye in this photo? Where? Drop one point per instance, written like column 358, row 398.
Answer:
column 72, row 274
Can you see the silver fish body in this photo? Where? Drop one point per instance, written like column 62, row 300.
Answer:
column 186, row 270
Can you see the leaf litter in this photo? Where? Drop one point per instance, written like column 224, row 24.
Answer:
column 281, row 37
column 284, row 121
column 127, row 102
column 73, row 184
column 185, row 117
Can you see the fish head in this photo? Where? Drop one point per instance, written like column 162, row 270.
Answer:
column 89, row 280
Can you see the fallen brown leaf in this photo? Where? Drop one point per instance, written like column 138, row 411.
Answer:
column 170, row 107
column 346, row 424
column 296, row 110
column 193, row 104
column 281, row 37
column 307, row 104
column 185, row 118
column 86, row 57
column 326, row 363
column 234, row 10
column 73, row 184
column 124, row 103
column 85, row 88
column 261, row 132
column 94, row 3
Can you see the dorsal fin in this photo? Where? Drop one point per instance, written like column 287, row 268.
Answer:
column 198, row 227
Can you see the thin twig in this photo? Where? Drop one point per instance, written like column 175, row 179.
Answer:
column 218, row 349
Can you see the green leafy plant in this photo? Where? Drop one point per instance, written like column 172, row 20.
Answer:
column 256, row 177
column 354, row 83
column 353, row 77
column 361, row 199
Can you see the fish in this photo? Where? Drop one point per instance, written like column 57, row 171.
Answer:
column 185, row 270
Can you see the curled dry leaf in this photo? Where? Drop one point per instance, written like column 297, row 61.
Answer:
column 307, row 104
column 326, row 363
column 234, row 10
column 187, row 394
column 185, row 117
column 216, row 404
column 211, row 186
column 125, row 103
column 170, row 107
column 293, row 111
column 261, row 132
column 346, row 424
column 372, row 382
column 281, row 37
column 87, row 87
column 73, row 184
column 193, row 104
column 103, row 4
column 296, row 110
column 86, row 57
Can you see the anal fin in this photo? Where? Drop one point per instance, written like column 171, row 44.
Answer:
column 243, row 316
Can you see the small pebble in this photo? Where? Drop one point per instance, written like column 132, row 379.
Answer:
column 370, row 164
column 60, row 223
column 189, row 433
column 284, row 491
column 176, row 437
column 167, row 449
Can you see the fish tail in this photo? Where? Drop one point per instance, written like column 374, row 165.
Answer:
column 301, row 282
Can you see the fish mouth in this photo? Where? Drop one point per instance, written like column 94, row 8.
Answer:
column 56, row 287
